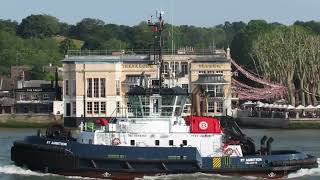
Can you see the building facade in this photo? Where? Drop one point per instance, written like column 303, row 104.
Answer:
column 35, row 96
column 96, row 85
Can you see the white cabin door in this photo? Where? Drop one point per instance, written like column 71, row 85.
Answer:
column 205, row 148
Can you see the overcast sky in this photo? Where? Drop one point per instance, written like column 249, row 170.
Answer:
column 191, row 12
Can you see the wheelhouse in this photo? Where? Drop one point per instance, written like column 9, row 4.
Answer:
column 166, row 102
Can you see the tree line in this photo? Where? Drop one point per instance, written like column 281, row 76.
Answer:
column 37, row 41
column 42, row 39
column 290, row 55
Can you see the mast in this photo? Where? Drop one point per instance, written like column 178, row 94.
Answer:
column 157, row 28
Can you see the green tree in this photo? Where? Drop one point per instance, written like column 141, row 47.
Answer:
column 8, row 26
column 38, row 26
column 142, row 36
column 92, row 31
column 9, row 45
column 64, row 29
column 114, row 44
column 294, row 49
column 241, row 44
column 311, row 25
column 65, row 45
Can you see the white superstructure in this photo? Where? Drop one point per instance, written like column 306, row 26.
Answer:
column 156, row 122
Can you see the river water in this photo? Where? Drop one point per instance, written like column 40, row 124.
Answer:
column 302, row 140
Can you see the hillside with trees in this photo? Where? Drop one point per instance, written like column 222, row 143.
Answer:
column 42, row 39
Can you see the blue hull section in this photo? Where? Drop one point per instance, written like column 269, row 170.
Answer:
column 72, row 158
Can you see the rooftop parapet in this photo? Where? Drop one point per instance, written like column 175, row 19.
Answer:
column 113, row 52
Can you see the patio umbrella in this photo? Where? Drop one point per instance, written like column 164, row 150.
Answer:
column 266, row 105
column 283, row 106
column 300, row 107
column 310, row 107
column 275, row 106
column 248, row 103
column 290, row 107
column 260, row 104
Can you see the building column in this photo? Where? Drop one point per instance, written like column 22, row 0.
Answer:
column 12, row 110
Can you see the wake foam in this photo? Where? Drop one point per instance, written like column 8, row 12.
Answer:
column 79, row 177
column 198, row 176
column 12, row 169
column 306, row 172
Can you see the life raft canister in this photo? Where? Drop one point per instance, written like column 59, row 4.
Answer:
column 203, row 124
column 116, row 141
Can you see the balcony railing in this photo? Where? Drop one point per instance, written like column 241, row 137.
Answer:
column 141, row 52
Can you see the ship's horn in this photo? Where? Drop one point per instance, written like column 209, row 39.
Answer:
column 270, row 140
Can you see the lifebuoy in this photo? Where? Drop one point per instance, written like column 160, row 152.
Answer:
column 228, row 151
column 116, row 141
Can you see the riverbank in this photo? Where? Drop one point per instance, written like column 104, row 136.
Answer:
column 278, row 123
column 304, row 125
column 29, row 120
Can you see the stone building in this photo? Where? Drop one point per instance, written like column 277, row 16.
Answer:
column 34, row 96
column 96, row 85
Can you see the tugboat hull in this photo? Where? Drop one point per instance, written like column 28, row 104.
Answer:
column 99, row 161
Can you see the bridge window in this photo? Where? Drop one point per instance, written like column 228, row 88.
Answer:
column 170, row 142
column 155, row 105
column 157, row 142
column 185, row 87
column 185, row 142
column 132, row 142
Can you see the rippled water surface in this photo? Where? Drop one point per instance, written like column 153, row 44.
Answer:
column 302, row 140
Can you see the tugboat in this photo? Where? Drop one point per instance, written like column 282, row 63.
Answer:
column 156, row 140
